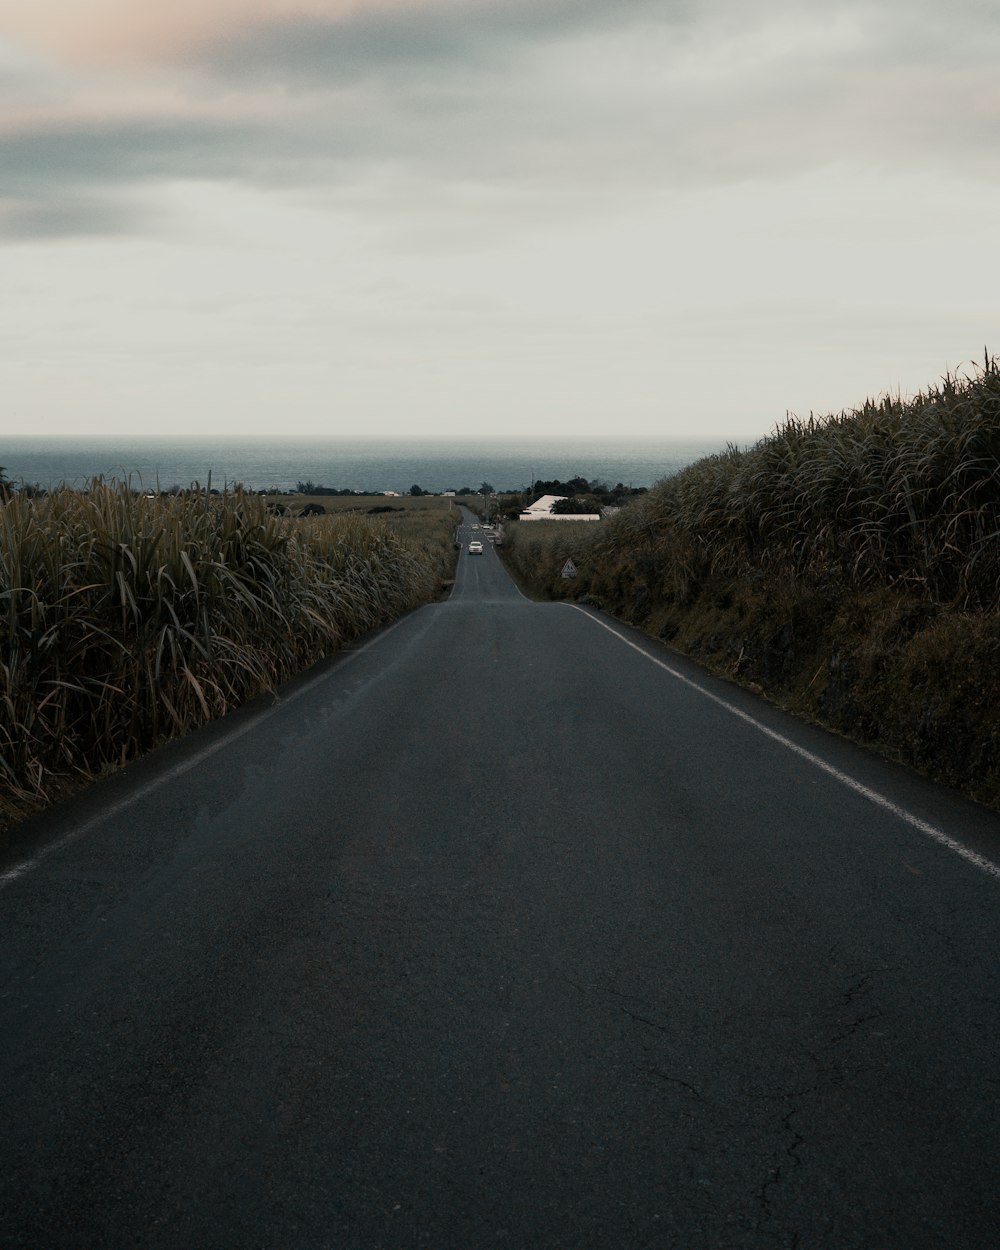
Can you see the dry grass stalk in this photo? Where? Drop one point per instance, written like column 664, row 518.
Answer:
column 125, row 620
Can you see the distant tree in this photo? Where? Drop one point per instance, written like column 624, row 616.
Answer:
column 416, row 490
column 466, row 490
column 4, row 483
column 576, row 505
column 510, row 504
column 485, row 488
column 575, row 486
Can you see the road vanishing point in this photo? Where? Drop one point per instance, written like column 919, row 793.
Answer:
column 508, row 928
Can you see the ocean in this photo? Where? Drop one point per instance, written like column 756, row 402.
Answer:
column 434, row 464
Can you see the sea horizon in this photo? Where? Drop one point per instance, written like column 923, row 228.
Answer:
column 377, row 463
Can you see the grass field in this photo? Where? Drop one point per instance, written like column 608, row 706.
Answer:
column 370, row 505
column 425, row 522
column 126, row 620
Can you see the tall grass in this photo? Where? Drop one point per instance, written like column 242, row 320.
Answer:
column 847, row 566
column 900, row 493
column 125, row 620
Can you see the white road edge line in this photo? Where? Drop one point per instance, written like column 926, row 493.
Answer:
column 13, row 873
column 880, row 800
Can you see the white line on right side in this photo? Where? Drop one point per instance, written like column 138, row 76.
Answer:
column 880, row 800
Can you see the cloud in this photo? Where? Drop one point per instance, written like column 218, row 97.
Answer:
column 384, row 43
column 547, row 99
column 28, row 219
column 114, row 32
column 110, row 154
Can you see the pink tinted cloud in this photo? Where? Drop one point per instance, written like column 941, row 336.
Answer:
column 117, row 31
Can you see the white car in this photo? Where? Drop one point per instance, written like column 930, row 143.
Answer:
column 475, row 548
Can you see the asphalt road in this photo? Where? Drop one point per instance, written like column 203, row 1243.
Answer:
column 509, row 928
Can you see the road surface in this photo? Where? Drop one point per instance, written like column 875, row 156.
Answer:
column 508, row 928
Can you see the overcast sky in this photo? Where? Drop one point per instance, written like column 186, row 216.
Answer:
column 676, row 217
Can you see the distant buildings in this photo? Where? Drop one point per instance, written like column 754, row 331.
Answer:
column 541, row 510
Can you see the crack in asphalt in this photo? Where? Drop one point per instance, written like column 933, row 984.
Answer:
column 650, row 1024
column 655, row 1073
column 778, row 1175
column 830, row 1072
column 590, row 990
column 843, row 1037
column 675, row 1080
column 862, row 983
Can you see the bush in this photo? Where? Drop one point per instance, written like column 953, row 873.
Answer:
column 848, row 566
column 127, row 619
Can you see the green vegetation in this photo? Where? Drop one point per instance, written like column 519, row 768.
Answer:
column 849, row 567
column 426, row 522
column 595, row 492
column 577, row 505
column 127, row 620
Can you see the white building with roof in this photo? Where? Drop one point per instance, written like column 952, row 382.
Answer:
column 541, row 510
